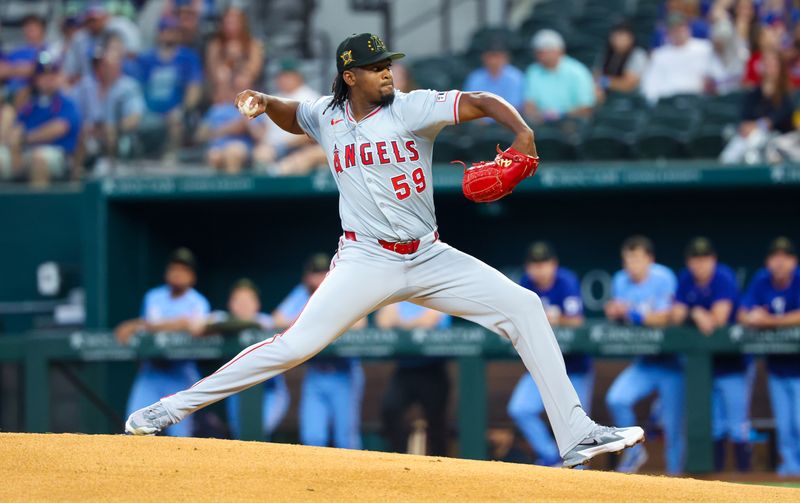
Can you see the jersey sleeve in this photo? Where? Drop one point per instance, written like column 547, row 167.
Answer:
column 572, row 305
column 426, row 112
column 665, row 293
column 309, row 115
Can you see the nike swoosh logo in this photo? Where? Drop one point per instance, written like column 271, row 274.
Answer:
column 335, row 121
column 593, row 442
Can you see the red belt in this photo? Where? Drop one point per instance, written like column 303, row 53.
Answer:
column 401, row 247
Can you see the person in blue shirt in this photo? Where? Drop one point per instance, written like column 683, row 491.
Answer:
column 415, row 380
column 560, row 292
column 244, row 304
column 20, row 63
column 47, row 128
column 171, row 76
column 706, row 298
column 174, row 307
column 641, row 295
column 332, row 387
column 497, row 75
column 773, row 301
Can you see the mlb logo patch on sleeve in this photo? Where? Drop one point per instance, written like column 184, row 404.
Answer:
column 441, row 97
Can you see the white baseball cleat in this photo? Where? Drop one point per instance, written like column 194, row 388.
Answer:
column 603, row 439
column 148, row 421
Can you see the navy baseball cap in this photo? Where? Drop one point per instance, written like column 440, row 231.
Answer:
column 541, row 251
column 700, row 247
column 362, row 49
column 318, row 263
column 183, row 256
column 781, row 244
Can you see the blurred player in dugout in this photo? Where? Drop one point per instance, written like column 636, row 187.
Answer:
column 773, row 301
column 244, row 305
column 559, row 290
column 642, row 295
column 173, row 307
column 416, row 380
column 332, row 387
column 707, row 298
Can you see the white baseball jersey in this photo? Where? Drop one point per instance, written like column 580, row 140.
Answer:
column 382, row 163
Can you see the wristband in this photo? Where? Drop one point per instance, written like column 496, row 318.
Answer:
column 636, row 317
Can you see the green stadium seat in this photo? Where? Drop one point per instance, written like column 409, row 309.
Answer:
column 602, row 143
column 484, row 36
column 554, row 146
column 707, row 143
column 486, row 138
column 681, row 101
column 620, row 120
column 450, row 145
column 659, row 142
column 679, row 120
column 624, row 101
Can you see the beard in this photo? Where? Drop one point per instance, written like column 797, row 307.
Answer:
column 387, row 99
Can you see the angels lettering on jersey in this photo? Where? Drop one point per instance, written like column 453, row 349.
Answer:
column 371, row 153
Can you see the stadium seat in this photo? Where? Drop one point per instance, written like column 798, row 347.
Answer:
column 706, row 143
column 554, row 146
column 621, row 120
column 659, row 142
column 603, row 143
column 624, row 101
column 452, row 144
column 485, row 140
column 679, row 120
column 681, row 101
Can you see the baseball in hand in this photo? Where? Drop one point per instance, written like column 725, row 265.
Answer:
column 249, row 107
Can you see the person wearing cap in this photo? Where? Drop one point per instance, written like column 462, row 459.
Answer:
column 560, row 292
column 332, row 387
column 772, row 301
column 415, row 380
column 244, row 305
column 17, row 67
column 497, row 75
column 280, row 152
column 173, row 307
column 641, row 295
column 680, row 66
column 707, row 298
column 696, row 21
column 171, row 77
column 556, row 86
column 45, row 136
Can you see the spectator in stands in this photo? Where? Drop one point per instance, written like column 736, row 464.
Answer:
column 173, row 307
column 773, row 301
column 188, row 14
column 498, row 75
column 171, row 76
column 332, row 387
column 111, row 105
column 282, row 153
column 68, row 30
column 415, row 380
column 680, row 66
column 560, row 292
column 621, row 67
column 706, row 298
column 45, row 136
column 556, row 86
column 228, row 133
column 234, row 48
column 766, row 40
column 244, row 305
column 18, row 65
column 641, row 295
column 689, row 9
column 726, row 68
column 766, row 110
column 793, row 57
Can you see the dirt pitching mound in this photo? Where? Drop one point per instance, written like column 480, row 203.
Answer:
column 121, row 468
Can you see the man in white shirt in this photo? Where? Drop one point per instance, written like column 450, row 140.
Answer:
column 680, row 66
column 282, row 153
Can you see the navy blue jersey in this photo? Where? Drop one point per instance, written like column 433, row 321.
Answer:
column 778, row 302
column 721, row 287
column 565, row 293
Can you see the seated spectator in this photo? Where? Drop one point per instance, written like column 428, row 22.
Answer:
column 228, row 134
column 282, row 153
column 556, row 86
column 706, row 298
column 111, row 105
column 171, row 77
column 691, row 10
column 18, row 64
column 641, row 295
column 189, row 14
column 766, row 110
column 793, row 57
column 45, row 136
column 415, row 380
column 730, row 54
column 766, row 40
column 560, row 293
column 497, row 75
column 680, row 66
column 332, row 387
column 773, row 301
column 234, row 48
column 244, row 304
column 622, row 64
column 173, row 307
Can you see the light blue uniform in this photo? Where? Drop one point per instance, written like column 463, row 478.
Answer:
column 276, row 393
column 332, row 391
column 662, row 374
column 160, row 378
column 525, row 406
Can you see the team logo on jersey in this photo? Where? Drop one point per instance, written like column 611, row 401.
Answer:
column 337, row 164
column 440, row 97
column 375, row 44
column 335, row 121
column 347, row 57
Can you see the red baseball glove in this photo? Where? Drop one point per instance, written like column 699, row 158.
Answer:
column 485, row 182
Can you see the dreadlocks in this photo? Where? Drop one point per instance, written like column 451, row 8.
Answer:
column 340, row 91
